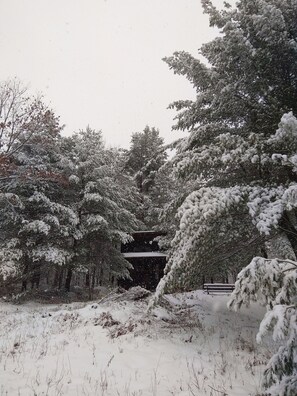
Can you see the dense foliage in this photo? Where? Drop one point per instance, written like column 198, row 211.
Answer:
column 66, row 204
column 241, row 154
column 105, row 201
column 144, row 159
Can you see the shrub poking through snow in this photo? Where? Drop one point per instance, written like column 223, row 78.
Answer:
column 105, row 320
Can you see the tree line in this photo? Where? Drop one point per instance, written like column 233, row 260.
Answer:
column 67, row 203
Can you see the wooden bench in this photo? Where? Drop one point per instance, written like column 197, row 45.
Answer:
column 218, row 288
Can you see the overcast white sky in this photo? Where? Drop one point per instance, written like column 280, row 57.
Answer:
column 99, row 62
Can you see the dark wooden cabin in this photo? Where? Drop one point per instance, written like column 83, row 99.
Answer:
column 148, row 262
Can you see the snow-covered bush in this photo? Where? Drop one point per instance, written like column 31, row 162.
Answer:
column 274, row 281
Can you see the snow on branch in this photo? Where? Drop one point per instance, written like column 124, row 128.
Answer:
column 273, row 281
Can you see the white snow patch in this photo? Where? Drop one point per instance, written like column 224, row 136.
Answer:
column 190, row 345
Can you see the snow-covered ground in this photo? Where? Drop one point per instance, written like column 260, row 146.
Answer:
column 191, row 346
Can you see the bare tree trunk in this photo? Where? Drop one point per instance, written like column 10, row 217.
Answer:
column 56, row 277
column 93, row 278
column 35, row 279
column 88, row 279
column 68, row 279
column 25, row 274
column 61, row 275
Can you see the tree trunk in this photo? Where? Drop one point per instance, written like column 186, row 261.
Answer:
column 61, row 275
column 68, row 279
column 56, row 277
column 35, row 279
column 25, row 274
column 88, row 279
column 93, row 278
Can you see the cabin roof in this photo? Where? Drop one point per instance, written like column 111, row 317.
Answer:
column 146, row 235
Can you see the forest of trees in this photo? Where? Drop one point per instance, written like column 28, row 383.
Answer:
column 67, row 203
column 227, row 198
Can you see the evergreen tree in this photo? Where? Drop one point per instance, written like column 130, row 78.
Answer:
column 145, row 157
column 35, row 224
column 166, row 196
column 104, row 199
column 241, row 152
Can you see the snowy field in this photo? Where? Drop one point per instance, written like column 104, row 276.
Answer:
column 191, row 346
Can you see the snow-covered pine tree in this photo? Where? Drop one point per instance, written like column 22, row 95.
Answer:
column 105, row 201
column 166, row 195
column 145, row 157
column 35, row 224
column 241, row 149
